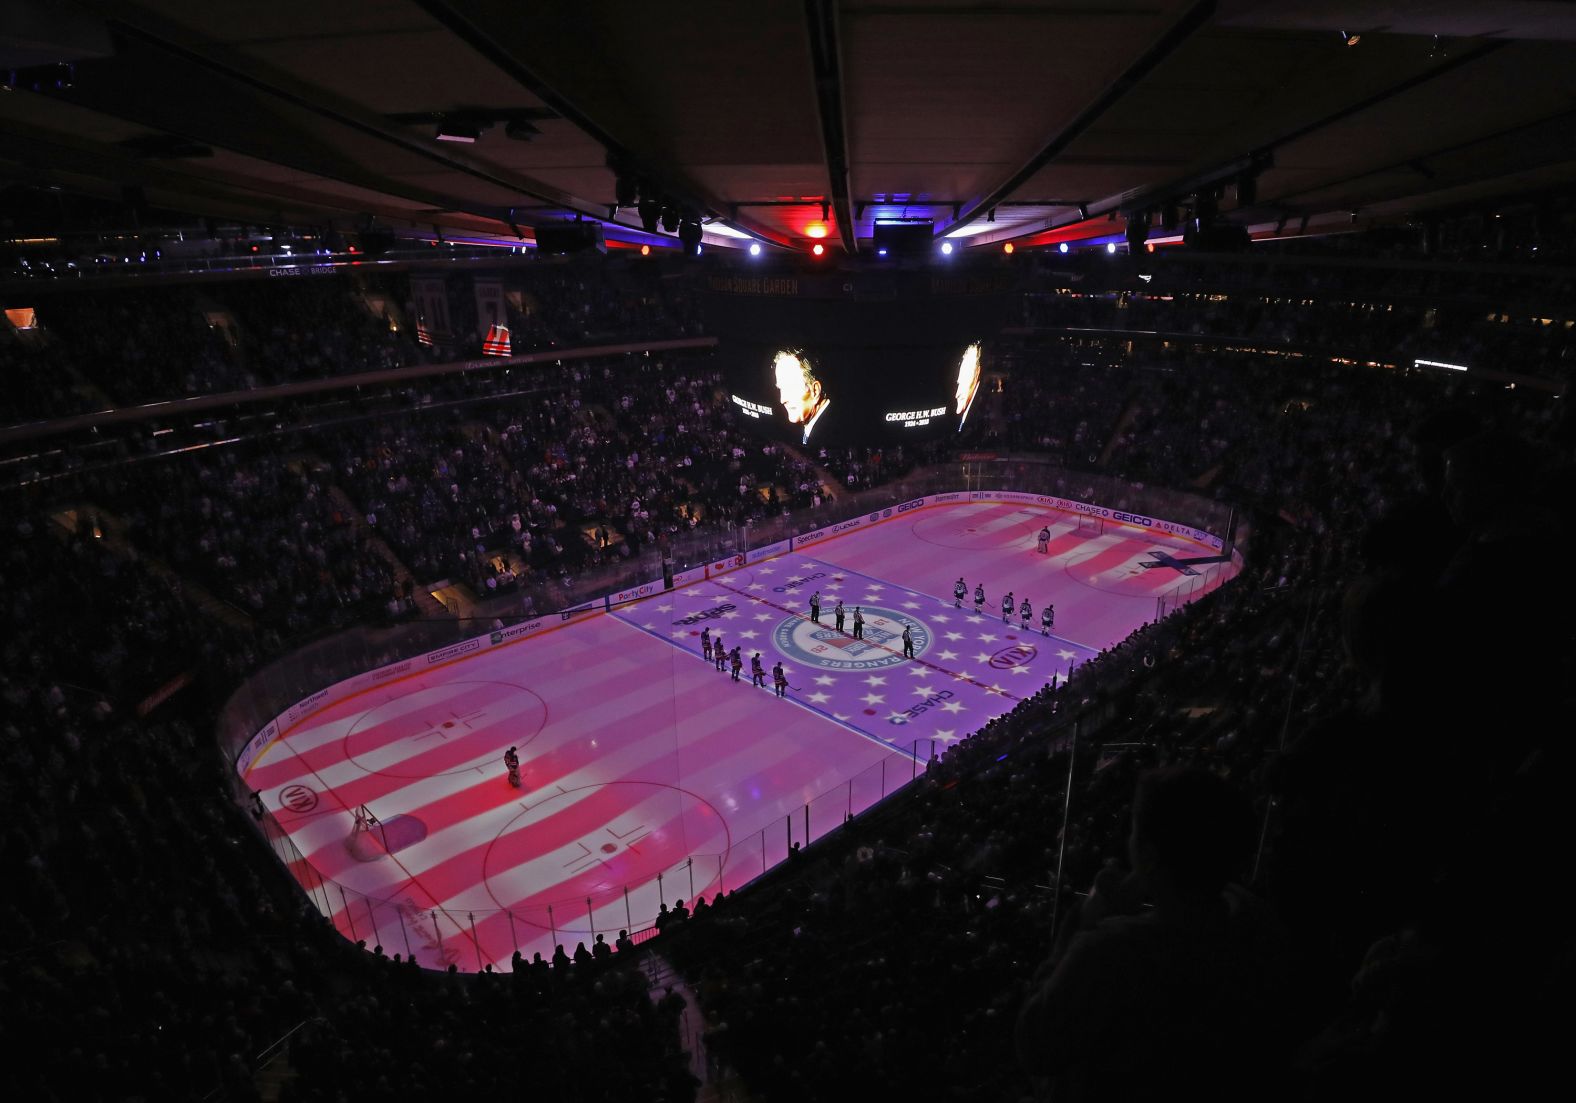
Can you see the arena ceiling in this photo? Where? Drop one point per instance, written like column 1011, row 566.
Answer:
column 993, row 121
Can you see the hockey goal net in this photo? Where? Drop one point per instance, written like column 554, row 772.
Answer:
column 1090, row 526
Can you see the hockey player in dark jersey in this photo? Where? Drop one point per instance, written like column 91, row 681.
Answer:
column 511, row 762
column 780, row 679
column 960, row 590
column 705, row 642
column 1025, row 614
column 1006, row 608
column 757, row 671
column 1045, row 538
column 1047, row 619
column 719, row 654
column 979, row 598
column 736, row 661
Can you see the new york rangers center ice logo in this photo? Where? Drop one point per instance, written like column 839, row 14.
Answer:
column 823, row 647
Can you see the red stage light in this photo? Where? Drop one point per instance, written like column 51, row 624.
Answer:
column 1007, row 248
column 815, row 229
column 645, row 250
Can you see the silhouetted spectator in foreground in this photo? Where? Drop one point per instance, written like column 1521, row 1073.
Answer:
column 1185, row 995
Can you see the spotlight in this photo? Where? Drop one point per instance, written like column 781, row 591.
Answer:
column 881, row 252
column 650, row 214
column 1137, row 230
column 818, row 248
column 645, row 250
column 1062, row 248
column 755, row 248
column 815, row 229
column 689, row 236
column 1110, row 247
column 1007, row 248
column 946, row 248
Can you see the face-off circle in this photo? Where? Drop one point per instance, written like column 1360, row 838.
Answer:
column 444, row 729
column 593, row 840
column 823, row 647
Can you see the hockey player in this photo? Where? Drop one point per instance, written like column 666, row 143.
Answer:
column 960, row 590
column 511, row 761
column 1045, row 538
column 718, row 654
column 815, row 607
column 908, row 641
column 837, row 614
column 1025, row 614
column 780, row 679
column 859, row 623
column 979, row 599
column 757, row 671
column 736, row 660
column 1047, row 620
column 705, row 643
column 1006, row 608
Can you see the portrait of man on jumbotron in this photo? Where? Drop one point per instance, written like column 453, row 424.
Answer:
column 799, row 390
column 968, row 383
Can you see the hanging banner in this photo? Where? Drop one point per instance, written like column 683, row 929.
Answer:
column 491, row 312
column 432, row 305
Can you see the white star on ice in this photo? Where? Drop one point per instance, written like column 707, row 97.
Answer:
column 679, row 635
column 953, row 635
column 1019, row 670
column 875, row 680
column 763, row 616
column 941, row 618
column 1067, row 654
column 766, row 570
column 750, row 635
column 986, row 637
column 923, row 691
column 911, row 605
column 668, row 608
column 755, row 586
column 897, row 718
column 994, row 688
column 947, row 656
column 918, row 672
column 946, row 737
column 825, row 680
column 730, row 616
column 874, row 586
column 873, row 699
column 982, row 657
column 976, row 620
column 648, row 624
column 818, row 698
column 952, row 706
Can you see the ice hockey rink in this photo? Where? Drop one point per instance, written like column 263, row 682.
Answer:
column 648, row 775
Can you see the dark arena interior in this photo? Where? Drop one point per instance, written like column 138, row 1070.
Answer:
column 785, row 550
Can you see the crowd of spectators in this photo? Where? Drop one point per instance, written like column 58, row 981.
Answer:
column 593, row 464
column 260, row 529
column 1397, row 520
